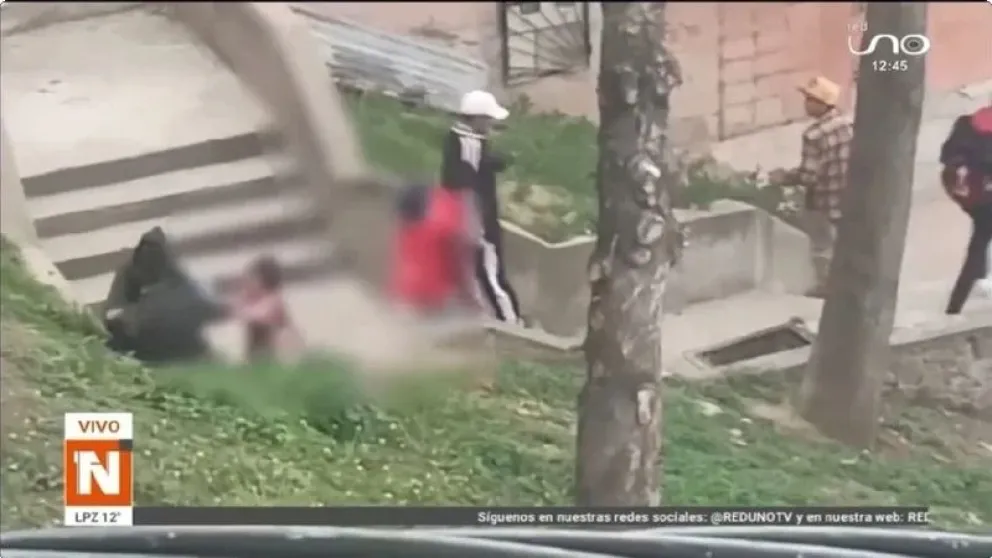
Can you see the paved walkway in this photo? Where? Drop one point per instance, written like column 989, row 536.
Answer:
column 935, row 244
column 335, row 317
column 937, row 229
column 111, row 113
column 112, row 87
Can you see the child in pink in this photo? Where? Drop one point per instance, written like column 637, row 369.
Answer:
column 260, row 305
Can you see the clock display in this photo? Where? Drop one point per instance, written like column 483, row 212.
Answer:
column 889, row 65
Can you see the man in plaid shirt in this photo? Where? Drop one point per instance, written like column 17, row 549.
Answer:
column 822, row 171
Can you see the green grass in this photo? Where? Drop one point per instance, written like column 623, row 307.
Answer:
column 547, row 149
column 310, row 435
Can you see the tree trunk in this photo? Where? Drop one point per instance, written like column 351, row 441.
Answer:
column 638, row 241
column 842, row 389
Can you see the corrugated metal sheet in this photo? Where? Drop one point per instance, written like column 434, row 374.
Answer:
column 369, row 58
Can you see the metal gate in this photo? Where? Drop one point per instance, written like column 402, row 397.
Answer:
column 540, row 39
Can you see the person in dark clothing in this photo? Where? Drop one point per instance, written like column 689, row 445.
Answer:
column 966, row 157
column 151, row 261
column 470, row 166
column 154, row 311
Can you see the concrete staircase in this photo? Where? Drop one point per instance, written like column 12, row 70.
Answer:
column 223, row 202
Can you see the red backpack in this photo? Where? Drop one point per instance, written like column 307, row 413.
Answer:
column 967, row 159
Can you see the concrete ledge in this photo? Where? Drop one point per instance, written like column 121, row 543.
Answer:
column 971, row 330
column 784, row 262
column 15, row 221
column 21, row 17
column 273, row 51
column 733, row 248
column 534, row 345
column 209, row 152
column 550, row 278
column 16, row 224
column 45, row 272
column 938, row 361
column 88, row 220
column 251, row 234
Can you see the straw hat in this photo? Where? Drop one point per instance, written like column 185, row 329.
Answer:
column 823, row 90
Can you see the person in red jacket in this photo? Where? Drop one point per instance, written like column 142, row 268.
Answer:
column 432, row 271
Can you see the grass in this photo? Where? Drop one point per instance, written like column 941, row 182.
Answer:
column 546, row 149
column 552, row 153
column 310, row 435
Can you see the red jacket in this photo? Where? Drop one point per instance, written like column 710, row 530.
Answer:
column 430, row 256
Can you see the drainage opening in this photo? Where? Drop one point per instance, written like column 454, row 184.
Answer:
column 761, row 343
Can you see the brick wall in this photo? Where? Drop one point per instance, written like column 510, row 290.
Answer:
column 742, row 61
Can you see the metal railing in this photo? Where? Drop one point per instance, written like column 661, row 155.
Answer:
column 369, row 59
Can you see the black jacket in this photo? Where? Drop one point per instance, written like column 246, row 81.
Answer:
column 969, row 146
column 468, row 163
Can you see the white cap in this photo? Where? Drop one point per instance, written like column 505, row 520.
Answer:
column 482, row 103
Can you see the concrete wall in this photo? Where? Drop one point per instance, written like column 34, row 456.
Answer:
column 17, row 226
column 733, row 248
column 274, row 54
column 742, row 60
column 270, row 50
column 16, row 222
column 721, row 258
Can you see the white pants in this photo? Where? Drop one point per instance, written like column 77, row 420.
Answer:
column 984, row 285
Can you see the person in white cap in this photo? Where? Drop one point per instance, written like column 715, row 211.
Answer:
column 468, row 165
column 822, row 171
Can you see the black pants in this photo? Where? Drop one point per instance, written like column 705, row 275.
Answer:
column 493, row 283
column 974, row 266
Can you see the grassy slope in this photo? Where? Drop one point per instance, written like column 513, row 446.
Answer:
column 556, row 152
column 308, row 436
column 547, row 149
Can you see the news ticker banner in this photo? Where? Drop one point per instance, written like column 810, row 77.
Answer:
column 563, row 517
column 99, row 491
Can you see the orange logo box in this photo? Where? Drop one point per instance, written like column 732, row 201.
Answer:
column 98, row 473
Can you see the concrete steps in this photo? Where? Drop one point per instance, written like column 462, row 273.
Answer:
column 302, row 260
column 188, row 156
column 222, row 202
column 81, row 210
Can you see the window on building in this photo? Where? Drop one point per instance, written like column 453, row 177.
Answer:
column 543, row 38
column 526, row 8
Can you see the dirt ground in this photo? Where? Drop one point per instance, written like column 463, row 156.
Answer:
column 906, row 426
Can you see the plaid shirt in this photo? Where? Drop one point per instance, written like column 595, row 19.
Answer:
column 823, row 168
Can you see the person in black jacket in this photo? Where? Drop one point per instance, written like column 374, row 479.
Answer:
column 468, row 165
column 966, row 156
column 154, row 311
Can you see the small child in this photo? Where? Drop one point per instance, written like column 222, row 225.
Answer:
column 259, row 303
